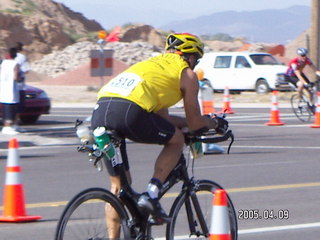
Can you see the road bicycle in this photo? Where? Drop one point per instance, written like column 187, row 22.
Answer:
column 304, row 106
column 84, row 217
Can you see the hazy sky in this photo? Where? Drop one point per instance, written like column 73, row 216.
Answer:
column 160, row 12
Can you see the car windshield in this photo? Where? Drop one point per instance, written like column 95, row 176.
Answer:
column 264, row 59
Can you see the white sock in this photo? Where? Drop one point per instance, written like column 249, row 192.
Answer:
column 152, row 190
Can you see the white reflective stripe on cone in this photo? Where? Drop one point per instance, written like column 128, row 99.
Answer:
column 220, row 220
column 13, row 157
column 13, row 178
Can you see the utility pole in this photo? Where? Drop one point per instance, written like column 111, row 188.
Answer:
column 315, row 32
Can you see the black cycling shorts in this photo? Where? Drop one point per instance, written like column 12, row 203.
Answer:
column 295, row 79
column 130, row 121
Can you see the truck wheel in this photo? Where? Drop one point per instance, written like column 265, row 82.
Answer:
column 262, row 87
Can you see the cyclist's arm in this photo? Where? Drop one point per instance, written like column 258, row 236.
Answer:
column 178, row 121
column 190, row 88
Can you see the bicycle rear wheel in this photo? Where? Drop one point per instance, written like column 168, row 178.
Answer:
column 179, row 229
column 84, row 217
column 301, row 108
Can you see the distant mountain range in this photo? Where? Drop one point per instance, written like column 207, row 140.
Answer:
column 269, row 26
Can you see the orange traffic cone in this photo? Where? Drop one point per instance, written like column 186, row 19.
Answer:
column 220, row 225
column 207, row 107
column 275, row 116
column 316, row 123
column 226, row 102
column 14, row 204
column 206, row 97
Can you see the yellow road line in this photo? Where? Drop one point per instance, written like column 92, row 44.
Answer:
column 274, row 187
column 171, row 195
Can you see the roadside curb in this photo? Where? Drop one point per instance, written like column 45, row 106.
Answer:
column 32, row 140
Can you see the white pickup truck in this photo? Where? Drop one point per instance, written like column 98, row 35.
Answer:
column 243, row 71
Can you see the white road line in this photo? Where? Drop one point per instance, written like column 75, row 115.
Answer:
column 264, row 230
column 279, row 228
column 302, row 125
column 277, row 147
column 245, row 164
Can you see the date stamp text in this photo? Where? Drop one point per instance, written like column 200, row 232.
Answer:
column 266, row 214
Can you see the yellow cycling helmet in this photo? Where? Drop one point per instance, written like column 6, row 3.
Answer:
column 185, row 43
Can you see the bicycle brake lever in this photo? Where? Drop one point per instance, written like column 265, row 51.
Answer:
column 78, row 123
column 221, row 115
column 97, row 164
column 231, row 142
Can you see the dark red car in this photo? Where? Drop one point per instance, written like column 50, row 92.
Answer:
column 37, row 103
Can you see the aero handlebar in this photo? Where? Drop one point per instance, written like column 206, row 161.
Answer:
column 209, row 137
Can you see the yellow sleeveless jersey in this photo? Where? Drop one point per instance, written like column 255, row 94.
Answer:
column 153, row 84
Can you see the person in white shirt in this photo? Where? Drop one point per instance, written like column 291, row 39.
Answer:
column 24, row 65
column 9, row 92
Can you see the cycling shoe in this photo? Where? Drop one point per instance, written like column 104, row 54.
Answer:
column 153, row 207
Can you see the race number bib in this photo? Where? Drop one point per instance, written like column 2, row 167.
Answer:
column 123, row 84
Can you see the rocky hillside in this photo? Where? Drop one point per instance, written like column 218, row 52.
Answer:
column 75, row 55
column 58, row 40
column 42, row 25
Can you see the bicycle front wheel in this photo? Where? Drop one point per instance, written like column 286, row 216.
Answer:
column 301, row 108
column 195, row 228
column 85, row 216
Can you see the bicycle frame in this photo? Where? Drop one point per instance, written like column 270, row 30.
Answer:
column 179, row 173
column 139, row 223
column 312, row 91
column 304, row 106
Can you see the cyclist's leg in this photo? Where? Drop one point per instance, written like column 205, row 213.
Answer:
column 141, row 126
column 112, row 219
column 300, row 86
column 131, row 121
column 169, row 156
column 303, row 90
column 293, row 80
column 297, row 83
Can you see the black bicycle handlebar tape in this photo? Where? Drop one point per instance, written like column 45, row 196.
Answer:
column 223, row 138
column 204, row 139
column 200, row 131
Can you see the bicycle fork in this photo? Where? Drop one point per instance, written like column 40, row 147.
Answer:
column 192, row 199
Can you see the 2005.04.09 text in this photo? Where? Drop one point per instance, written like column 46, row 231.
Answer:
column 256, row 214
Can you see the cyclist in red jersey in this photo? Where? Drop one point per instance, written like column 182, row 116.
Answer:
column 295, row 70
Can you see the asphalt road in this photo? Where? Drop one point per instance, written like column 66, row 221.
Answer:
column 271, row 169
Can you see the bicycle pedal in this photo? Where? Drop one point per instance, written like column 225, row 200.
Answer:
column 153, row 222
column 157, row 222
column 142, row 236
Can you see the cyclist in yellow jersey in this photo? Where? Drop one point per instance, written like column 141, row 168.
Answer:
column 135, row 104
column 152, row 90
